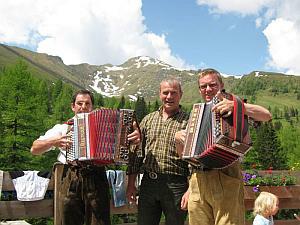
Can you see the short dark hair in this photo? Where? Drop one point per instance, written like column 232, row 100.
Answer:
column 82, row 92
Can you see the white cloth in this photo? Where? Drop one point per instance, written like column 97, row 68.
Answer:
column 260, row 220
column 30, row 186
column 58, row 129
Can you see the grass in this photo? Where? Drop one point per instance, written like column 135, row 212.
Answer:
column 266, row 99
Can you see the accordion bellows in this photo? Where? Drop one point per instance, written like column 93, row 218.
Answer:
column 100, row 136
column 213, row 141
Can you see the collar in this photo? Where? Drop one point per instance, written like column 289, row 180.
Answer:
column 160, row 110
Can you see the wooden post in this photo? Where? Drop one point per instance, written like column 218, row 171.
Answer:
column 58, row 172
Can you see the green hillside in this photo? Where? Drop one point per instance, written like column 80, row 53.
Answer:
column 265, row 88
column 43, row 66
column 283, row 100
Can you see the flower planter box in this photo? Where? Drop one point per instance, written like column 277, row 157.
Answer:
column 289, row 196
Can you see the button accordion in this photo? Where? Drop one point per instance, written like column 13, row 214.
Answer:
column 100, row 137
column 214, row 141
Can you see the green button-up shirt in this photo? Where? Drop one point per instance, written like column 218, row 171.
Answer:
column 158, row 145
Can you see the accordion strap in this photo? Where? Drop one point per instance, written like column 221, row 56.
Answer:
column 238, row 118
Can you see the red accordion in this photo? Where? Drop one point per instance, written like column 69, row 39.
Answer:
column 100, row 136
column 214, row 141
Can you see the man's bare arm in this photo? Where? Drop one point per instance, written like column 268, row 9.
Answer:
column 41, row 146
column 257, row 112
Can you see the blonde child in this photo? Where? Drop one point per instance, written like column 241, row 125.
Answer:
column 265, row 207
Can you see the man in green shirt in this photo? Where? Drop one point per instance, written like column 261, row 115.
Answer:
column 164, row 180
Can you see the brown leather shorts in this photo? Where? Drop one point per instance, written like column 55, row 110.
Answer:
column 84, row 196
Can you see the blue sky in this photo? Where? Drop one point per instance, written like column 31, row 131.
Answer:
column 230, row 43
column 235, row 37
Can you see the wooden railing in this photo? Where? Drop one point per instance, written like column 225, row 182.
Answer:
column 11, row 210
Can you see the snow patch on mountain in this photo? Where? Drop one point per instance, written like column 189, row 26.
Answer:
column 103, row 85
column 144, row 61
column 258, row 74
column 114, row 68
column 132, row 97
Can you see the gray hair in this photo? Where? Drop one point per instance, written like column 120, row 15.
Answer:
column 172, row 81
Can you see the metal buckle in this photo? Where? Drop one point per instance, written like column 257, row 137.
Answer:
column 152, row 175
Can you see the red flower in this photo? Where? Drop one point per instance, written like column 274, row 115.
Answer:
column 269, row 171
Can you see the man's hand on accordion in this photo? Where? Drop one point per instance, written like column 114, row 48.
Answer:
column 179, row 141
column 135, row 136
column 224, row 107
column 61, row 141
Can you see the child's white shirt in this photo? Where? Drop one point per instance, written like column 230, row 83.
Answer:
column 260, row 220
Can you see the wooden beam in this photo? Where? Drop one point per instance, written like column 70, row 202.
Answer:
column 58, row 173
column 19, row 210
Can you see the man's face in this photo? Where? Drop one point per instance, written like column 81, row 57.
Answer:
column 209, row 85
column 170, row 96
column 83, row 104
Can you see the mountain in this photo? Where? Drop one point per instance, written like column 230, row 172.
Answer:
column 137, row 76
column 140, row 76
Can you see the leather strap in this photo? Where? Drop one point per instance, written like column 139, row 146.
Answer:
column 238, row 118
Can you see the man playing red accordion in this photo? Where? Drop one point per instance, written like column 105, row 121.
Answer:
column 216, row 196
column 84, row 196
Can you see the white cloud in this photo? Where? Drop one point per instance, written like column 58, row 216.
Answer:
column 15, row 25
column 284, row 47
column 281, row 20
column 244, row 7
column 92, row 31
column 258, row 22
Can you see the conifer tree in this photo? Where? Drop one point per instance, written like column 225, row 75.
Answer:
column 286, row 113
column 111, row 103
column 121, row 103
column 275, row 113
column 267, row 148
column 149, row 106
column 140, row 108
column 21, row 120
column 127, row 105
column 99, row 101
column 154, row 106
column 56, row 89
column 62, row 106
